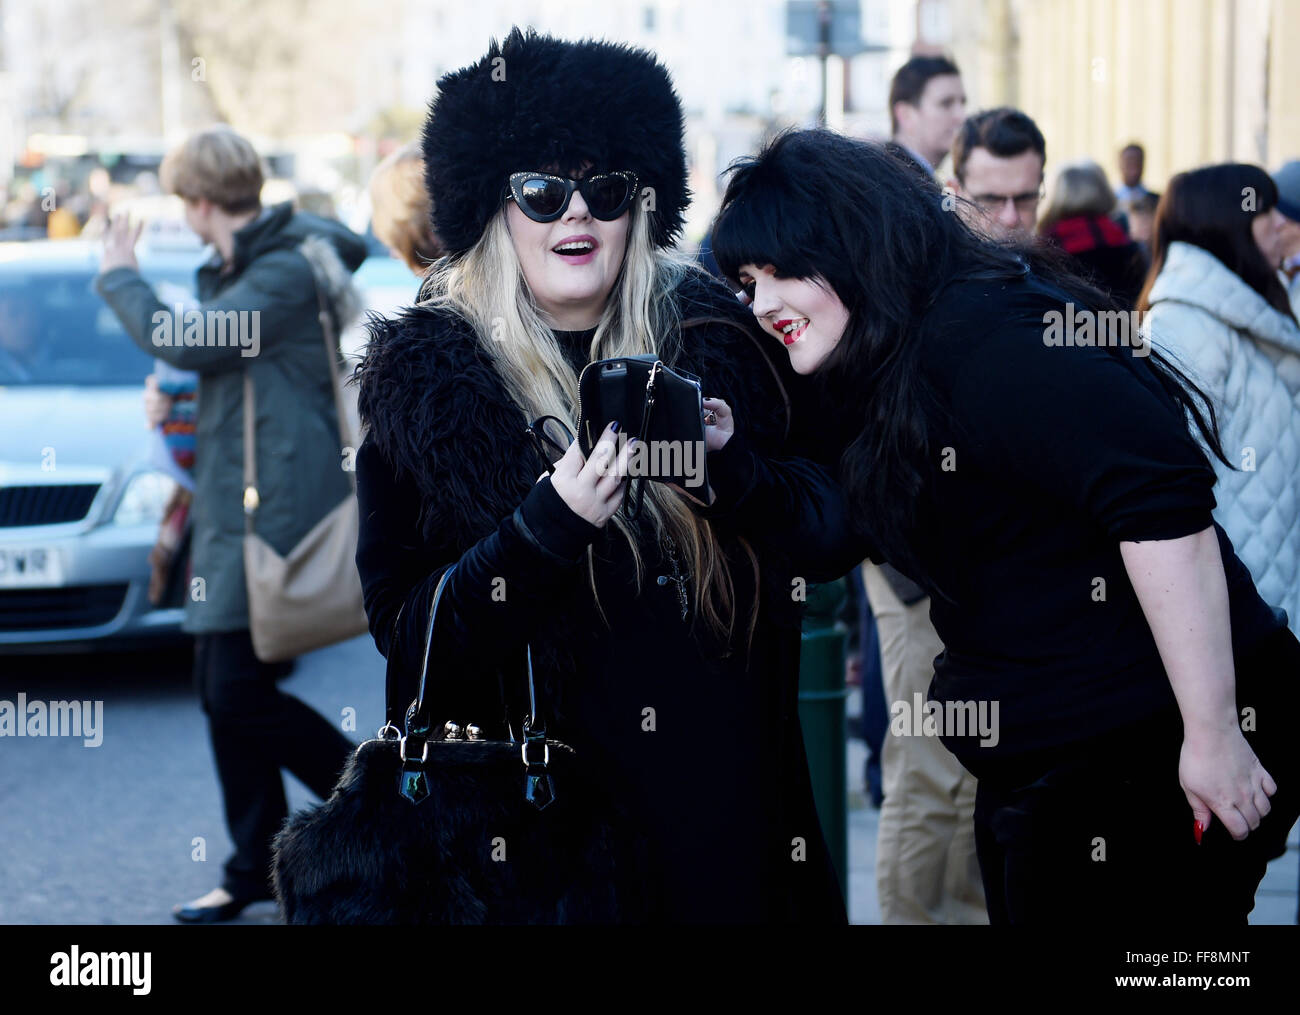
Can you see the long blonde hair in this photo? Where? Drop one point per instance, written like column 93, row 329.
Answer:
column 486, row 286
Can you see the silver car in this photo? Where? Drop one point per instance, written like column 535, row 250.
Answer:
column 80, row 502
column 80, row 498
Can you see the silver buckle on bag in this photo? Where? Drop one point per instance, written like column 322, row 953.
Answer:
column 546, row 753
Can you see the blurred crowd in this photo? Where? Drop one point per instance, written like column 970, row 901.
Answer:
column 67, row 202
column 46, row 206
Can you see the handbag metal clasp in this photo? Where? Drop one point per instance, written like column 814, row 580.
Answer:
column 413, row 781
column 546, row 754
column 539, row 787
column 650, row 392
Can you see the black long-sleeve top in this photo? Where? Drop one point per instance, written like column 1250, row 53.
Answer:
column 1054, row 455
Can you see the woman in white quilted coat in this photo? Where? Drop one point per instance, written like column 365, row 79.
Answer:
column 1214, row 300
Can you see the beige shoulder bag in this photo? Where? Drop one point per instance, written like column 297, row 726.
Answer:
column 312, row 597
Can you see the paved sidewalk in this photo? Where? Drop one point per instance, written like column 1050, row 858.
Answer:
column 864, row 820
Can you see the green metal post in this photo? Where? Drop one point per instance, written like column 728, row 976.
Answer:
column 821, row 712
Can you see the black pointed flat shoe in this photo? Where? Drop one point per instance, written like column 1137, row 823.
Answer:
column 191, row 913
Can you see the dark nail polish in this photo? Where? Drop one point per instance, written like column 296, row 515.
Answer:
column 614, row 427
column 1197, row 830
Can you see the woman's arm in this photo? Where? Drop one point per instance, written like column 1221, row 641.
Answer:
column 793, row 504
column 1181, row 586
column 272, row 289
column 504, row 585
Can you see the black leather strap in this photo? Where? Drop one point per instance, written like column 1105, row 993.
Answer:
column 421, row 721
column 636, row 496
column 415, row 717
column 393, row 677
column 395, row 707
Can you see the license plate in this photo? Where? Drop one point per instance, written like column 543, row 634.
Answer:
column 30, row 567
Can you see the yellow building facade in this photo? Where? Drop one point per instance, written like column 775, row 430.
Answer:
column 1194, row 81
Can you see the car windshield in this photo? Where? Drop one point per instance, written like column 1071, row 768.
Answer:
column 55, row 329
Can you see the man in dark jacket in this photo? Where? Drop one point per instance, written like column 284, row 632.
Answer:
column 258, row 313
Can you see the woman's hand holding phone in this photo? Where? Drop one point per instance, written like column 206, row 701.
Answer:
column 719, row 425
column 593, row 488
column 717, row 433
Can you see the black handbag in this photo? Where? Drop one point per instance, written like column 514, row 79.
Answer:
column 445, row 826
column 655, row 403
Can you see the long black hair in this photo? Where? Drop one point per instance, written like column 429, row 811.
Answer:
column 1214, row 208
column 872, row 225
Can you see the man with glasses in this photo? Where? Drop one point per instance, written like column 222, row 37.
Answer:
column 998, row 161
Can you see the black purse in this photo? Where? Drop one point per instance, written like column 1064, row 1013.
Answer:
column 444, row 826
column 661, row 406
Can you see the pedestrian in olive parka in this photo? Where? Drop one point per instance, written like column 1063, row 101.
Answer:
column 265, row 263
column 665, row 650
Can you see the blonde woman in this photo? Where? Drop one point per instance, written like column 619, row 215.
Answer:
column 665, row 650
column 401, row 212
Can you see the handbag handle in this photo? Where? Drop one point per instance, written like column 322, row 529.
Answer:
column 252, row 500
column 539, row 787
column 418, row 720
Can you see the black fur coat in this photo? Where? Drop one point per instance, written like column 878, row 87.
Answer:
column 698, row 737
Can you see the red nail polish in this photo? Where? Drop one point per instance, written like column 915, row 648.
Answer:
column 1197, row 829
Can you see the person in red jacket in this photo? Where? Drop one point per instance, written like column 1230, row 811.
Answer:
column 1078, row 221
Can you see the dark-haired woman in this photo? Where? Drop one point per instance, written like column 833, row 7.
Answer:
column 665, row 651
column 1215, row 301
column 1099, row 632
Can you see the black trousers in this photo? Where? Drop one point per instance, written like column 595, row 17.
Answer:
column 1100, row 832
column 256, row 730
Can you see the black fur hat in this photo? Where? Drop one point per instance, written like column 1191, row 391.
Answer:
column 535, row 101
